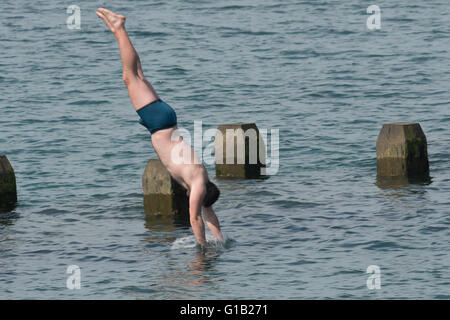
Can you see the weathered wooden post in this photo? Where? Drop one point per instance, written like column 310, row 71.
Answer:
column 402, row 151
column 8, row 189
column 239, row 151
column 162, row 194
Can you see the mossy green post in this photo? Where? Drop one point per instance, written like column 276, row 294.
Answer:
column 163, row 196
column 402, row 151
column 247, row 160
column 8, row 189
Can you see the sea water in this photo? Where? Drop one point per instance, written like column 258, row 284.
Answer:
column 311, row 69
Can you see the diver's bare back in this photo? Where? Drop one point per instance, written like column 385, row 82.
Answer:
column 178, row 157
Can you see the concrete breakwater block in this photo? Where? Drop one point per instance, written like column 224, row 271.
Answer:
column 162, row 194
column 402, row 151
column 8, row 189
column 239, row 151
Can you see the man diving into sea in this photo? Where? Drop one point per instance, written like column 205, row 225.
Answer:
column 160, row 119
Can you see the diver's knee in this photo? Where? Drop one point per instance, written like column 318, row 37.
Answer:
column 129, row 77
column 126, row 79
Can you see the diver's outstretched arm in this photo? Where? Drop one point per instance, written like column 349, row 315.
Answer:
column 212, row 222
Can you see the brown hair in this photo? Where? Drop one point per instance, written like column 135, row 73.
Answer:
column 212, row 194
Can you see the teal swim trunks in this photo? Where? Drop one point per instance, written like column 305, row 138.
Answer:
column 157, row 115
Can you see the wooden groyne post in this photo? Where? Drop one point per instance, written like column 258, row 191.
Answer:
column 402, row 151
column 8, row 188
column 162, row 194
column 239, row 151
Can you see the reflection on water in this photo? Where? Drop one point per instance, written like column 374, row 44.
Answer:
column 183, row 279
column 180, row 279
column 201, row 266
column 6, row 208
column 162, row 227
column 397, row 188
column 401, row 182
column 8, row 218
column 189, row 275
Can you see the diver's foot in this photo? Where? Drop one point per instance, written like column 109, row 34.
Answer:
column 115, row 22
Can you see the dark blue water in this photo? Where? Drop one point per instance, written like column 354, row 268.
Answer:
column 311, row 69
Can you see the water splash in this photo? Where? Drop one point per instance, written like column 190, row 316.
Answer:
column 211, row 243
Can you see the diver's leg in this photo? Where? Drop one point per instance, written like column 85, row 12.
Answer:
column 140, row 90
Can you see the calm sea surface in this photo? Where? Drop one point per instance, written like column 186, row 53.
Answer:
column 311, row 69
